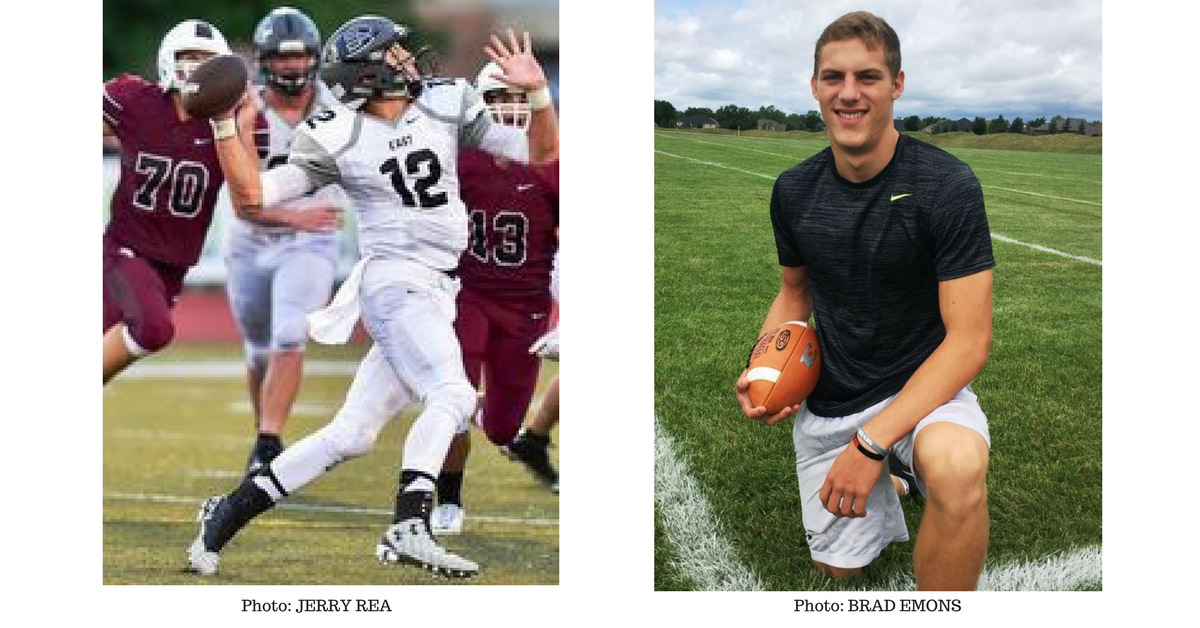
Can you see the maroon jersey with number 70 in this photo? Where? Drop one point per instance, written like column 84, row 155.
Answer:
column 170, row 174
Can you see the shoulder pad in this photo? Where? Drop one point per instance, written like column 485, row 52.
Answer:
column 444, row 97
column 331, row 128
column 325, row 98
column 127, row 85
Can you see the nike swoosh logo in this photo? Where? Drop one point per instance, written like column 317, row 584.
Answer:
column 521, row 187
column 899, row 196
column 200, row 141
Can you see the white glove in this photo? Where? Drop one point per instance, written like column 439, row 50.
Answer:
column 546, row 346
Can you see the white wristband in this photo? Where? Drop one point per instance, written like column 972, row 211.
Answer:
column 224, row 129
column 539, row 99
column 866, row 440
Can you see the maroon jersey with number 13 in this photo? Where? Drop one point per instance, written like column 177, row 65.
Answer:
column 513, row 215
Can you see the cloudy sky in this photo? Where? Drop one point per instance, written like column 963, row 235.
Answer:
column 1027, row 58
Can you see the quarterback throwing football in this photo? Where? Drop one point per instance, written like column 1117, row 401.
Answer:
column 393, row 147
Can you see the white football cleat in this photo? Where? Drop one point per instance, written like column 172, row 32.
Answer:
column 410, row 542
column 200, row 559
column 546, row 346
column 447, row 519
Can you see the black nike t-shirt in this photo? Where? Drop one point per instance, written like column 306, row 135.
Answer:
column 874, row 254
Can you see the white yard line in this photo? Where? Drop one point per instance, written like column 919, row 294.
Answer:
column 1002, row 238
column 716, row 165
column 796, row 157
column 704, row 556
column 994, row 187
column 709, row 560
column 224, row 369
column 195, row 501
column 1057, row 198
column 1046, row 249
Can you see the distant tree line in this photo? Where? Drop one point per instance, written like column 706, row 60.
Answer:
column 735, row 117
column 132, row 29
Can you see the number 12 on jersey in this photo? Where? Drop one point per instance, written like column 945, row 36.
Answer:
column 412, row 165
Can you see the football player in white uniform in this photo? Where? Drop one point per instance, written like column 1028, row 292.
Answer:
column 278, row 274
column 393, row 148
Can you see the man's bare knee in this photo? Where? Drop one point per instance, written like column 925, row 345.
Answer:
column 953, row 462
column 837, row 572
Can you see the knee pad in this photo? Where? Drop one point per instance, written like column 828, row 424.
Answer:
column 349, row 438
column 290, row 335
column 456, row 398
column 152, row 335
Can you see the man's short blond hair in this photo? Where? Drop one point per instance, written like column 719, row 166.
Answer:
column 871, row 29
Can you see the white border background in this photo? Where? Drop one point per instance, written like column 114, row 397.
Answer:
column 53, row 466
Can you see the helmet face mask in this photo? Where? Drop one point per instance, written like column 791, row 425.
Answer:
column 507, row 105
column 189, row 36
column 369, row 58
column 285, row 34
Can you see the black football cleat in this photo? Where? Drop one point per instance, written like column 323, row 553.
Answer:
column 530, row 449
column 901, row 470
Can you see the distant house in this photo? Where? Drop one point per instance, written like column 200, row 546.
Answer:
column 899, row 124
column 963, row 125
column 1071, row 126
column 770, row 125
column 928, row 130
column 697, row 122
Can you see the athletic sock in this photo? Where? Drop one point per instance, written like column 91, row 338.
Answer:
column 537, row 439
column 449, row 488
column 246, row 502
column 415, row 498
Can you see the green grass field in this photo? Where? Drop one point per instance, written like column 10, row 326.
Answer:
column 171, row 442
column 715, row 276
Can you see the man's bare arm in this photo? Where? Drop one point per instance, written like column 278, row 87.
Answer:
column 966, row 308
column 793, row 303
column 238, row 155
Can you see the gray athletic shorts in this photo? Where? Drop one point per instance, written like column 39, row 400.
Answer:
column 845, row 542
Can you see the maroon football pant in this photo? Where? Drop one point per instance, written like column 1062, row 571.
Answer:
column 495, row 336
column 140, row 292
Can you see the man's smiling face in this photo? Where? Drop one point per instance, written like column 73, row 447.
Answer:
column 855, row 90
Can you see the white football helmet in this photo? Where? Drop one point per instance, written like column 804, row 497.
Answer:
column 187, row 35
column 516, row 112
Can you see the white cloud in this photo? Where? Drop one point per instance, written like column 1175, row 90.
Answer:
column 1012, row 57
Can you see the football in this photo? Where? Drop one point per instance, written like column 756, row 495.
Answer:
column 784, row 366
column 215, row 86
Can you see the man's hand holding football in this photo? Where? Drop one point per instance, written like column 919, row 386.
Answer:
column 759, row 413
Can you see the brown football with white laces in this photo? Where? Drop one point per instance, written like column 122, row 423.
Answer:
column 215, row 86
column 784, row 366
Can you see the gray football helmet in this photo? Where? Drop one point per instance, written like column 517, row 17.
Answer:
column 355, row 66
column 286, row 31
